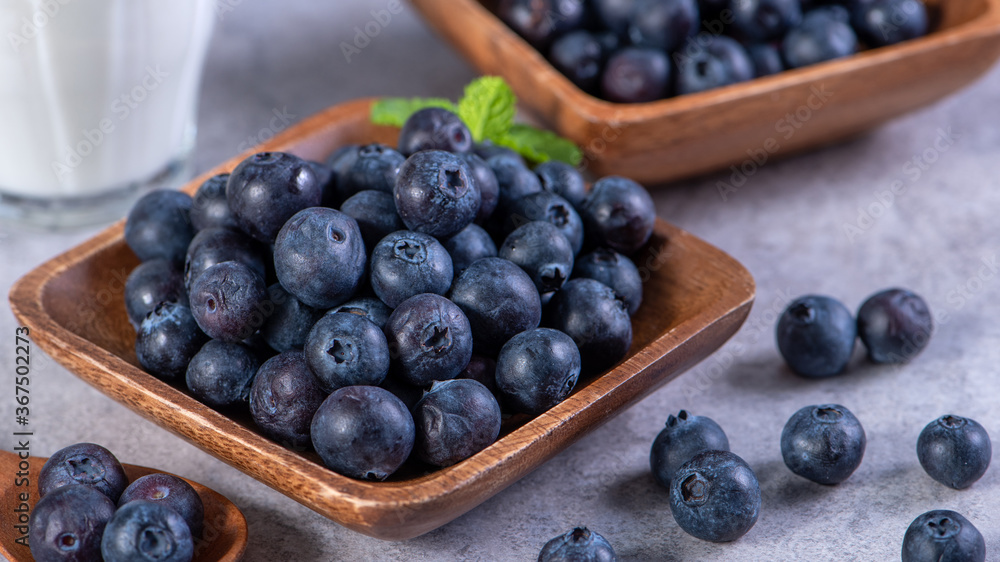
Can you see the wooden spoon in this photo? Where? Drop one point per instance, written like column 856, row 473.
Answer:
column 224, row 536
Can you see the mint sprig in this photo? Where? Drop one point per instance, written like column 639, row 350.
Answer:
column 487, row 108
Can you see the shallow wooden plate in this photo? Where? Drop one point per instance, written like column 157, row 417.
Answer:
column 224, row 538
column 743, row 125
column 695, row 298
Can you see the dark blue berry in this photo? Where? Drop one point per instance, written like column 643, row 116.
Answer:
column 407, row 263
column 615, row 271
column 614, row 14
column 227, row 301
column 766, row 59
column 590, row 313
column 149, row 284
column 284, row 397
column 319, row 256
column 887, row 22
column 955, row 451
column 83, row 463
column 363, row 432
column 895, row 325
column 823, row 443
column 145, row 530
column 434, row 128
column 343, row 349
column 376, row 167
column 172, row 492
column 942, row 535
column 375, row 212
column 816, row 336
column 486, row 181
column 549, row 207
column 514, row 179
column 67, row 525
column 684, row 437
column 715, row 496
column 167, row 339
column 371, row 308
column 455, row 420
column 578, row 545
column 824, row 34
column 499, row 299
column 619, row 214
column 266, row 189
column 636, row 75
column 430, row 339
column 563, row 180
column 159, row 226
column 764, row 20
column 721, row 62
column 579, row 56
column 487, row 149
column 209, row 207
column 663, row 24
column 541, row 21
column 543, row 252
column 436, row 193
column 215, row 245
column 481, row 369
column 537, row 369
column 221, row 373
column 327, row 180
column 470, row 244
column 289, row 320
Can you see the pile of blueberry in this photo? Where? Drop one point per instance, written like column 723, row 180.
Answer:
column 633, row 51
column 89, row 511
column 388, row 304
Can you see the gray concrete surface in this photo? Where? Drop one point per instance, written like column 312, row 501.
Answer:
column 938, row 237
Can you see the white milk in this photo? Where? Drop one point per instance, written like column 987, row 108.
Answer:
column 97, row 96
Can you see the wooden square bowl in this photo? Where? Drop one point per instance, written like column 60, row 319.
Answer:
column 741, row 125
column 695, row 298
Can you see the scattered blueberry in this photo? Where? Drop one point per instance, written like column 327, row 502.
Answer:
column 537, row 369
column 83, row 463
column 684, row 437
column 895, row 325
column 67, row 525
column 159, row 226
column 823, row 443
column 343, row 349
column 266, row 189
column 145, row 530
column 580, row 544
column 816, row 336
column 715, row 496
column 942, row 535
column 221, row 373
column 955, row 451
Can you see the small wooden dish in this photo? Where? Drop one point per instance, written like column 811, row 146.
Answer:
column 695, row 298
column 742, row 125
column 224, row 538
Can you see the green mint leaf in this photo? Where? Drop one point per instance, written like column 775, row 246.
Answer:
column 487, row 108
column 540, row 146
column 395, row 111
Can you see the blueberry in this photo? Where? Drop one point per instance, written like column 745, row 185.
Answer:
column 67, row 525
column 363, row 432
column 537, row 369
column 895, row 325
column 823, row 35
column 514, row 179
column 209, row 207
column 499, row 299
column 715, row 496
column 327, row 180
column 470, row 244
column 636, row 75
column 547, row 206
column 955, row 451
column 167, row 339
column 615, row 271
column 684, row 437
column 319, row 256
column 403, row 390
column 344, row 349
column 289, row 322
column 766, row 59
column 455, row 420
column 227, row 301
column 578, row 545
column 563, row 180
column 434, row 128
column 376, row 167
column 375, row 213
column 663, row 24
column 886, row 22
column 371, row 308
column 579, row 56
column 816, row 336
column 436, row 193
column 823, row 443
column 541, row 21
column 614, row 14
column 266, row 189
column 481, row 369
column 149, row 284
column 430, row 339
column 588, row 311
column 284, row 397
column 543, row 252
column 942, row 535
column 339, row 163
column 145, row 530
column 487, row 149
column 216, row 245
column 407, row 263
column 159, row 226
column 221, row 373
column 486, row 181
column 764, row 20
column 721, row 62
column 83, row 463
column 172, row 492
column 619, row 214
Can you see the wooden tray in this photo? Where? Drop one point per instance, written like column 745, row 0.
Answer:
column 741, row 125
column 695, row 298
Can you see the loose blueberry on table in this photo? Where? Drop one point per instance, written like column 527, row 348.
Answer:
column 823, row 443
column 955, row 451
column 942, row 535
column 579, row 545
column 816, row 336
column 684, row 437
column 715, row 496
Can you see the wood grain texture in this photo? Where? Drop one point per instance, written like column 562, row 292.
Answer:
column 689, row 135
column 224, row 538
column 695, row 298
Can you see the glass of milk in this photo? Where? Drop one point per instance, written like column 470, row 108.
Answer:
column 98, row 100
